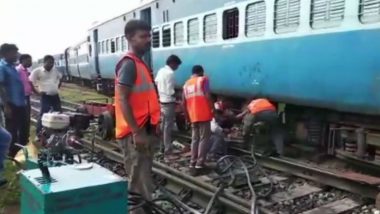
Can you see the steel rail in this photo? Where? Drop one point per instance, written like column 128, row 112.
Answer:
column 242, row 206
column 291, row 166
column 306, row 171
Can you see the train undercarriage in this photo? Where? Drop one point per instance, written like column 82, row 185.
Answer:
column 321, row 132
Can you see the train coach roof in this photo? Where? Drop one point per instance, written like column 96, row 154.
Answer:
column 143, row 4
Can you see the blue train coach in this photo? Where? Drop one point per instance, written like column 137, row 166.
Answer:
column 317, row 57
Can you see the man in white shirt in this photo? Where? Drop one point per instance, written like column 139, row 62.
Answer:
column 165, row 85
column 47, row 80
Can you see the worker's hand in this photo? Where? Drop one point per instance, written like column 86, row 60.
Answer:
column 140, row 138
column 226, row 131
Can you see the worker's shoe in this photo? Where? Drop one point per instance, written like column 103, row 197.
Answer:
column 193, row 171
column 271, row 153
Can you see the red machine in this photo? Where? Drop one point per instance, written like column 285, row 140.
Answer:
column 104, row 111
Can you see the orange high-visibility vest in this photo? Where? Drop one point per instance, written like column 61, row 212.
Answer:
column 143, row 99
column 197, row 104
column 259, row 105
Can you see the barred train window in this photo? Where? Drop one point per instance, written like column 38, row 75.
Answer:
column 255, row 19
column 210, row 28
column 193, row 31
column 107, row 45
column 156, row 38
column 117, row 46
column 286, row 15
column 112, row 45
column 123, row 43
column 231, row 23
column 326, row 13
column 178, row 33
column 369, row 11
column 166, row 36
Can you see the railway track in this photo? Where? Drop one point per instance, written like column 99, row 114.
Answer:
column 295, row 187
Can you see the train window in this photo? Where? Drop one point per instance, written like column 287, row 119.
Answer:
column 117, row 44
column 369, row 11
column 326, row 13
column 123, row 43
column 113, row 46
column 166, row 36
column 98, row 48
column 193, row 31
column 90, row 50
column 231, row 23
column 107, row 46
column 103, row 47
column 255, row 19
column 210, row 28
column 286, row 15
column 156, row 38
column 178, row 33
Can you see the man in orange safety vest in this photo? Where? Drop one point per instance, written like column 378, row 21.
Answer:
column 199, row 111
column 137, row 111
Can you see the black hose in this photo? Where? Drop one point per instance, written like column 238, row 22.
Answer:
column 137, row 201
column 213, row 199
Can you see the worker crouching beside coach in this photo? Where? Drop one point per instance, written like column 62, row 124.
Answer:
column 262, row 110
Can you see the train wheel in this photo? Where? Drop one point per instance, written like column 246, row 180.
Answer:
column 106, row 125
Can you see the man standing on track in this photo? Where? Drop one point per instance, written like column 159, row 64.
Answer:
column 199, row 110
column 13, row 97
column 47, row 79
column 23, row 70
column 137, row 111
column 165, row 85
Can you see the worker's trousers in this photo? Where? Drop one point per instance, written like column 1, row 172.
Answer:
column 201, row 132
column 138, row 165
column 218, row 146
column 167, row 123
column 5, row 140
column 271, row 119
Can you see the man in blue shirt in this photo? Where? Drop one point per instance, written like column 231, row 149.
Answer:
column 13, row 95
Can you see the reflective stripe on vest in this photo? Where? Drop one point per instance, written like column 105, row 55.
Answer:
column 145, row 84
column 194, row 90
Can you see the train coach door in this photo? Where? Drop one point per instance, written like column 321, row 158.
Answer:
column 146, row 15
column 96, row 51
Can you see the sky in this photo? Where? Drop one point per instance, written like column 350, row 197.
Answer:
column 41, row 27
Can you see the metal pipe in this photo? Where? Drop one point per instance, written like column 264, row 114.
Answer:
column 206, row 186
column 201, row 190
column 361, row 144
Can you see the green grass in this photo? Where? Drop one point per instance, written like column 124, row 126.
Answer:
column 76, row 94
column 10, row 194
